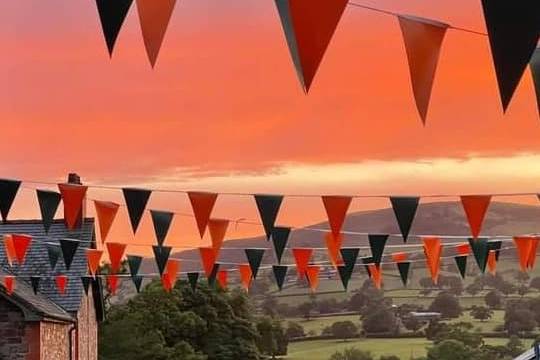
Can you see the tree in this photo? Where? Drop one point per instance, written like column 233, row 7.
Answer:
column 514, row 346
column 411, row 323
column 364, row 297
column 493, row 299
column 462, row 332
column 379, row 319
column 450, row 350
column 481, row 313
column 535, row 283
column 344, row 329
column 351, row 354
column 306, row 308
column 269, row 306
column 272, row 340
column 518, row 317
column 473, row 288
column 446, row 304
column 295, row 330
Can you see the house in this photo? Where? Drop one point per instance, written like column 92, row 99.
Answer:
column 49, row 325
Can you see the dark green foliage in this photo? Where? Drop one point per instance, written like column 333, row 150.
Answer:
column 352, row 354
column 519, row 317
column 295, row 330
column 447, row 304
column 273, row 339
column 481, row 313
column 379, row 319
column 344, row 329
column 493, row 299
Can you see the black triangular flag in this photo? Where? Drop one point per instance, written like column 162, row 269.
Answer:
column 193, row 278
column 134, row 263
column 8, row 191
column 34, row 281
column 53, row 251
column 377, row 242
column 461, row 262
column 137, row 281
column 280, row 237
column 136, row 200
column 48, row 204
column 268, row 206
column 112, row 14
column 405, row 210
column 349, row 256
column 280, row 271
column 162, row 222
column 254, row 257
column 480, row 250
column 86, row 281
column 513, row 30
column 535, row 71
column 345, row 274
column 495, row 246
column 161, row 254
column 213, row 274
column 69, row 248
column 403, row 268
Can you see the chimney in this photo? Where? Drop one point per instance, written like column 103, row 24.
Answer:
column 74, row 178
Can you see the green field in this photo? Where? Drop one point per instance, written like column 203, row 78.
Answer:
column 318, row 324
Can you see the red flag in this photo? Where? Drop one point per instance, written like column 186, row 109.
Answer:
column 333, row 244
column 72, row 196
column 9, row 248
column 61, row 283
column 524, row 245
column 245, row 275
column 166, row 282
column 336, row 209
column 475, row 207
column 9, row 283
column 116, row 252
column 302, row 257
column 202, row 204
column 399, row 257
column 93, row 257
column 208, row 259
column 218, row 229
column 423, row 39
column 463, row 249
column 172, row 268
column 433, row 250
column 112, row 281
column 20, row 245
column 376, row 276
column 492, row 262
column 532, row 254
column 106, row 212
column 222, row 278
column 312, row 273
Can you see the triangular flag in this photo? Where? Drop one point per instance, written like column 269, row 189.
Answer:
column 193, row 278
column 349, row 256
column 245, row 275
column 34, row 281
column 9, row 283
column 433, row 251
column 492, row 262
column 20, row 245
column 112, row 15
column 9, row 249
column 61, row 283
column 208, row 259
column 53, row 252
column 336, row 209
column 513, row 32
column 423, row 39
column 345, row 274
column 333, row 245
column 254, row 257
column 134, row 263
column 86, row 281
column 309, row 26
column 405, row 210
column 535, row 71
column 480, row 250
column 136, row 200
column 69, row 248
column 399, row 257
column 268, row 206
column 161, row 255
column 496, row 246
column 116, row 252
column 112, row 282
column 280, row 237
column 48, row 204
column 218, row 230
column 461, row 262
column 106, row 213
column 202, row 204
column 162, row 222
column 172, row 268
column 280, row 271
column 463, row 249
column 137, row 281
column 523, row 247
column 72, row 196
column 377, row 242
column 166, row 282
column 302, row 257
column 366, row 261
column 312, row 273
column 93, row 258
column 154, row 16
column 8, row 191
column 222, row 278
column 403, row 268
column 532, row 253
column 376, row 275
column 475, row 207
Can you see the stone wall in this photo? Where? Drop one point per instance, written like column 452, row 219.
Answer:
column 19, row 340
column 87, row 329
column 54, row 339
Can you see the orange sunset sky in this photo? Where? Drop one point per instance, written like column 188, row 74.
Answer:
column 223, row 111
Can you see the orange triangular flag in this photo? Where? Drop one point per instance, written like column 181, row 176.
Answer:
column 20, row 245
column 202, row 204
column 333, row 244
column 336, row 209
column 116, row 252
column 399, row 257
column 245, row 275
column 475, row 207
column 106, row 212
column 9, row 248
column 222, row 278
column 112, row 281
column 312, row 273
column 433, row 250
column 9, row 283
column 463, row 249
column 208, row 259
column 172, row 268
column 302, row 257
column 61, row 283
column 72, row 196
column 532, row 254
column 492, row 262
column 93, row 257
column 423, row 39
column 376, row 276
column 166, row 282
column 154, row 16
column 218, row 229
column 524, row 245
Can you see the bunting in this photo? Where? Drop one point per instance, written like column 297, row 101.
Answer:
column 433, row 250
column 312, row 274
column 166, row 282
column 112, row 15
column 405, row 209
column 193, row 278
column 48, row 205
column 134, row 263
column 254, row 257
column 112, row 282
column 492, row 262
column 333, row 244
column 34, row 282
column 116, row 253
column 61, row 283
column 69, row 248
column 208, row 259
column 21, row 243
column 161, row 255
column 162, row 222
column 218, row 230
column 9, row 249
column 202, row 204
column 480, row 249
column 461, row 262
column 496, row 246
column 463, row 249
column 171, row 270
column 349, row 256
column 86, row 281
column 93, row 258
column 280, row 237
column 535, row 71
column 302, row 257
column 137, row 281
column 268, row 206
column 403, row 268
column 523, row 248
column 336, row 209
column 245, row 276
column 222, row 278
column 72, row 196
column 53, row 253
column 9, row 284
column 136, row 200
column 377, row 242
column 345, row 274
column 366, row 261
column 106, row 213
column 8, row 191
column 532, row 253
column 280, row 272
column 475, row 207
column 376, row 275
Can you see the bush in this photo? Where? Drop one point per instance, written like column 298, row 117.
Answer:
column 493, row 299
column 294, row 330
column 344, row 329
column 481, row 313
column 380, row 319
column 352, row 354
column 446, row 304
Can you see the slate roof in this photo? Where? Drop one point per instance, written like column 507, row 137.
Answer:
column 37, row 260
